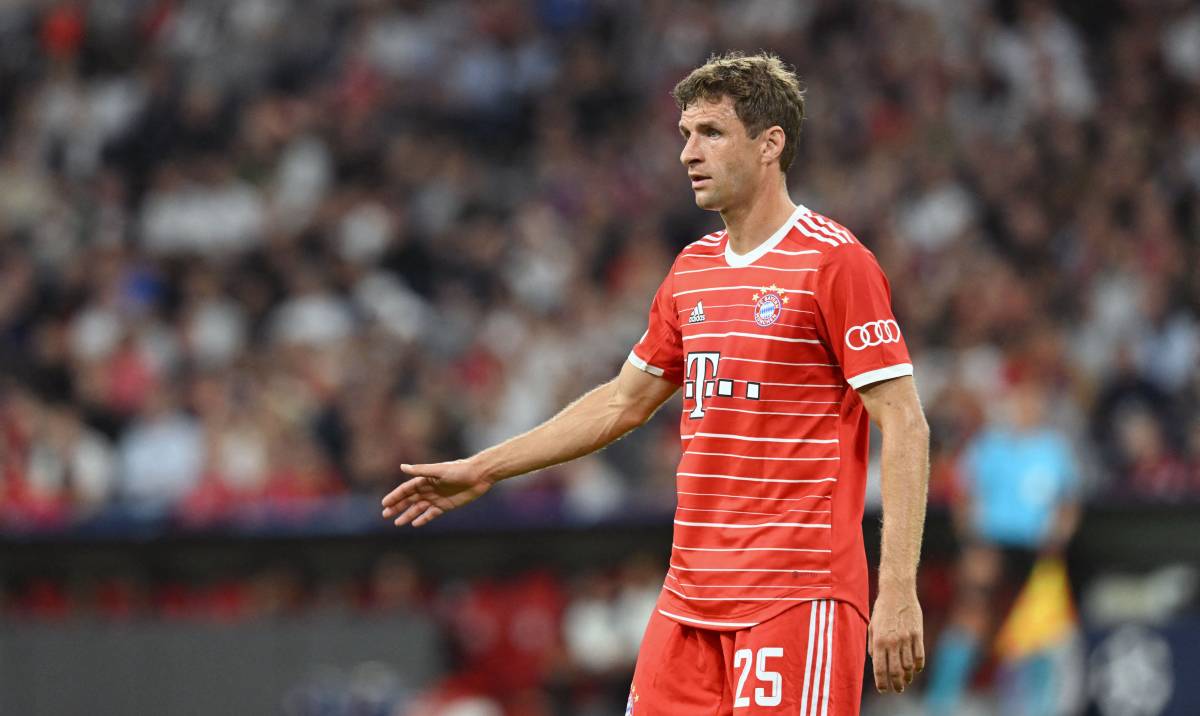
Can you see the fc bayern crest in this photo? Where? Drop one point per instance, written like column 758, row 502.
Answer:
column 768, row 305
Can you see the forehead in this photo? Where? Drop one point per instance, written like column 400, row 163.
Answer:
column 708, row 111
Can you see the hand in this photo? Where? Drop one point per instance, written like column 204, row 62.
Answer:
column 896, row 638
column 433, row 491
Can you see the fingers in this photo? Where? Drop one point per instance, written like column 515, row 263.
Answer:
column 431, row 513
column 906, row 661
column 895, row 672
column 879, row 666
column 417, row 511
column 411, row 513
column 420, row 474
column 407, row 489
column 918, row 641
column 394, row 506
column 893, row 663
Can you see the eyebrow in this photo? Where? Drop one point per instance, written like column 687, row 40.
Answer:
column 699, row 127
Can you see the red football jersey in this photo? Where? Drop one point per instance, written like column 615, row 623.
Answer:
column 768, row 346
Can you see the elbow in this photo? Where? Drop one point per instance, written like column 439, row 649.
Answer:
column 920, row 425
column 912, row 425
column 639, row 411
column 628, row 414
column 636, row 415
column 919, row 428
column 625, row 421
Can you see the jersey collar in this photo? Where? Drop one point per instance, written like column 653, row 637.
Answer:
column 737, row 260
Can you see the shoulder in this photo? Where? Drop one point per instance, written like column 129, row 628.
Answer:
column 707, row 246
column 821, row 229
column 837, row 245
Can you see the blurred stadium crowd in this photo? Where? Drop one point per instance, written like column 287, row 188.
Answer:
column 256, row 253
column 263, row 251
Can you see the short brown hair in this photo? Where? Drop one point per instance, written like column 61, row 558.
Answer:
column 765, row 93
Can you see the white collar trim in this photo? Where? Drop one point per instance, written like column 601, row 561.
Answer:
column 737, row 260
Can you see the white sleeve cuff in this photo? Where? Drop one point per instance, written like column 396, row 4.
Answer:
column 862, row 380
column 652, row 370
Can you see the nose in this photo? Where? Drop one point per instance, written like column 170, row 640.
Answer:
column 691, row 152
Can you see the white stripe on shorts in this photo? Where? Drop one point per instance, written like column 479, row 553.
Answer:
column 812, row 623
column 817, row 671
column 828, row 660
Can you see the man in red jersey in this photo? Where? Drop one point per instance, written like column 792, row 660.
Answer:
column 781, row 333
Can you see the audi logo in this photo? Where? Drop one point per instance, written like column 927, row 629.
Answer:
column 870, row 334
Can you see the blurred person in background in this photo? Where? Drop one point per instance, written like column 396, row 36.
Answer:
column 1018, row 503
column 161, row 454
column 754, row 384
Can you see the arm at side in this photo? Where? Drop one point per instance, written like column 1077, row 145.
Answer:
column 894, row 406
column 895, row 637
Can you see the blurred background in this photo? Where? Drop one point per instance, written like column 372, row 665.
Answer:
column 256, row 253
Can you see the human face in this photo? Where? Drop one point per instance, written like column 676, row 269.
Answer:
column 721, row 159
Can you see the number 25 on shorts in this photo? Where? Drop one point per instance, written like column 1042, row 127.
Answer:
column 772, row 696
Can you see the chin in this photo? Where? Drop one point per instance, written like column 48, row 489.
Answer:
column 708, row 202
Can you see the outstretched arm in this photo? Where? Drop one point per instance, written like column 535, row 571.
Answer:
column 598, row 418
column 896, row 634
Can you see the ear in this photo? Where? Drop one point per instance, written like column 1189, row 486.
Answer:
column 773, row 142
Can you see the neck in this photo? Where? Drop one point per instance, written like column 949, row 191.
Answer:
column 753, row 223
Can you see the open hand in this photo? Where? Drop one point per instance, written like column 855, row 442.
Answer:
column 433, row 491
column 896, row 638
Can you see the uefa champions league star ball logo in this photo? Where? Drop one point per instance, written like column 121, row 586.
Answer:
column 768, row 305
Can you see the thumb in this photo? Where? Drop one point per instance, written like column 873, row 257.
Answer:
column 434, row 470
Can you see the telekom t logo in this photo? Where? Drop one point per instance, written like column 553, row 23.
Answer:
column 701, row 377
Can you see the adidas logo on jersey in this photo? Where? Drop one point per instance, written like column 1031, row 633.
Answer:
column 697, row 313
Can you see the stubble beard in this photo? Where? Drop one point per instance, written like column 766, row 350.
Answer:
column 708, row 199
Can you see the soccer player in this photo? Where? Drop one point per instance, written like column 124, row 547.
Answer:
column 780, row 331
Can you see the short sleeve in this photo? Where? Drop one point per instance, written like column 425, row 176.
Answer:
column 855, row 304
column 660, row 351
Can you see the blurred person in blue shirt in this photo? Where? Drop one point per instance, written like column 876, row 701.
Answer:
column 1018, row 502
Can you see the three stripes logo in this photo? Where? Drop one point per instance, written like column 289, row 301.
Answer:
column 697, row 313
column 817, row 670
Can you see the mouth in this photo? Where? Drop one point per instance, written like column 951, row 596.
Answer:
column 698, row 179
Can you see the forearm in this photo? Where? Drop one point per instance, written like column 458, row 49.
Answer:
column 905, row 478
column 1066, row 521
column 591, row 422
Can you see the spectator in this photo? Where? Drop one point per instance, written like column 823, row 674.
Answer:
column 381, row 247
column 161, row 455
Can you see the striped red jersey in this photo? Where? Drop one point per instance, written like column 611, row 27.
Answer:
column 768, row 346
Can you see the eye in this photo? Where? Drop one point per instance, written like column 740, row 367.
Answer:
column 713, row 133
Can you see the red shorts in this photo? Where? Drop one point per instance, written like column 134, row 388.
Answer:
column 807, row 661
